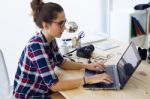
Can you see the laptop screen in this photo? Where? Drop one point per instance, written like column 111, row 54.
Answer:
column 128, row 64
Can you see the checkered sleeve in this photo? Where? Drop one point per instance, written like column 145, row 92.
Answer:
column 58, row 55
column 43, row 63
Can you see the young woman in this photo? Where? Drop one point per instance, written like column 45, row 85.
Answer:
column 35, row 76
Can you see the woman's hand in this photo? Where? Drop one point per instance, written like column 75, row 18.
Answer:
column 99, row 78
column 98, row 66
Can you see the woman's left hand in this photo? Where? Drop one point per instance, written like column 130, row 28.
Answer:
column 95, row 66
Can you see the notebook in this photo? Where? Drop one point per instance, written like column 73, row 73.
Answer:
column 121, row 72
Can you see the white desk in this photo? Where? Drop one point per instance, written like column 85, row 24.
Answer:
column 138, row 87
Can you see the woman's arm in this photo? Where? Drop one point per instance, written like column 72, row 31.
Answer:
column 70, row 65
column 67, row 84
column 71, row 84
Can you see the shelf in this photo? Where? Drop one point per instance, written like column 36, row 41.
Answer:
column 121, row 26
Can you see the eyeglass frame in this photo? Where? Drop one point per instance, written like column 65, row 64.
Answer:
column 103, row 58
column 61, row 23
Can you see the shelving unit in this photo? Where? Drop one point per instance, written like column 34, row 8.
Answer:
column 134, row 29
column 121, row 26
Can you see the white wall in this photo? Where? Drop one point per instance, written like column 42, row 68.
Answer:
column 17, row 26
column 89, row 14
column 126, row 4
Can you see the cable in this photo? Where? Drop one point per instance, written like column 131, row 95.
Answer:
column 72, row 51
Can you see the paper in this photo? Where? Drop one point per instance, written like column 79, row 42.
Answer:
column 107, row 46
column 90, row 38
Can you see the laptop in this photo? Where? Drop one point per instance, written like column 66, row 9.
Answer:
column 120, row 73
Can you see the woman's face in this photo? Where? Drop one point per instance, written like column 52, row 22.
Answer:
column 57, row 26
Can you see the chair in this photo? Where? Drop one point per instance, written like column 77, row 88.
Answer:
column 5, row 90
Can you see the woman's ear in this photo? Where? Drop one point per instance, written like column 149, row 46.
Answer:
column 45, row 25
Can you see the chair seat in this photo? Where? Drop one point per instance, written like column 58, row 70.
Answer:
column 4, row 79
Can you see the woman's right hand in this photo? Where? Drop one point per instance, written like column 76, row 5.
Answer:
column 99, row 78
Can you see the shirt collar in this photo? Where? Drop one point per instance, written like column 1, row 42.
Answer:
column 43, row 38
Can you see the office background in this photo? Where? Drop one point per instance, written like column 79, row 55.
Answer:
column 17, row 26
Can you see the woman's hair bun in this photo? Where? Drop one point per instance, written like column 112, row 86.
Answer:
column 36, row 6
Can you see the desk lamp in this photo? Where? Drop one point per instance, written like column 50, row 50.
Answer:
column 71, row 27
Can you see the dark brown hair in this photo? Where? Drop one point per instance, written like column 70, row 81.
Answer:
column 44, row 12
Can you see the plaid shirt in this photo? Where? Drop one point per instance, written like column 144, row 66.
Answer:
column 35, row 73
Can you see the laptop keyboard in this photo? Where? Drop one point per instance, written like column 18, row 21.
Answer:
column 105, row 85
column 109, row 70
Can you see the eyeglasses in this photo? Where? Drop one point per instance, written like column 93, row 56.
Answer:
column 61, row 23
column 103, row 58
